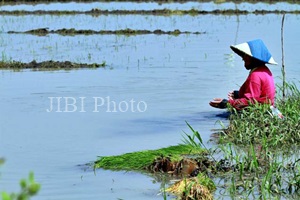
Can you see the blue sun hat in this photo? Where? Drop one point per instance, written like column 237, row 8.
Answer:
column 256, row 49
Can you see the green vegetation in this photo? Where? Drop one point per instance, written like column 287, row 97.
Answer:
column 10, row 2
column 164, row 12
column 1, row 161
column 29, row 188
column 259, row 155
column 173, row 161
column 142, row 160
column 72, row 32
column 200, row 188
column 47, row 65
column 260, row 151
column 256, row 125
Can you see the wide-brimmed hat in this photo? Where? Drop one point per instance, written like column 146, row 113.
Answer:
column 256, row 49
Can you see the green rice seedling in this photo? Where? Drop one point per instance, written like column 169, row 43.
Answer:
column 268, row 143
column 232, row 188
column 253, row 162
column 191, row 139
column 4, row 57
column 267, row 183
column 163, row 188
column 255, row 125
column 195, row 140
column 293, row 183
column 251, row 147
column 241, row 170
column 142, row 159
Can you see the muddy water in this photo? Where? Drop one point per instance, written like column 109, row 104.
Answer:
column 141, row 100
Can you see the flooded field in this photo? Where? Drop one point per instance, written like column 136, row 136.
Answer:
column 151, row 85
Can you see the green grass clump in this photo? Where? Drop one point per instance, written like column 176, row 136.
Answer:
column 48, row 65
column 29, row 188
column 256, row 125
column 264, row 149
column 142, row 159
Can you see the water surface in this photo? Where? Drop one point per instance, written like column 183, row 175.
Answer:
column 175, row 76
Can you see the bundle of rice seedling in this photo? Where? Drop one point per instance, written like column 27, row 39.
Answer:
column 200, row 188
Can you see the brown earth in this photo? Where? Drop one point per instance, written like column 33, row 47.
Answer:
column 47, row 65
column 189, row 167
column 45, row 31
column 97, row 12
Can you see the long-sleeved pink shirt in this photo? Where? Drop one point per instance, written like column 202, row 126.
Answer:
column 258, row 87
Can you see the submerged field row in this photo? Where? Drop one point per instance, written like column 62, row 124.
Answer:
column 96, row 12
column 156, row 1
column 72, row 31
column 47, row 65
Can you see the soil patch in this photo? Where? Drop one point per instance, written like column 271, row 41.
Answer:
column 72, row 31
column 189, row 167
column 47, row 65
column 97, row 12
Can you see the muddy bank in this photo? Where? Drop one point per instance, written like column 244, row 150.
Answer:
column 72, row 31
column 97, row 12
column 189, row 166
column 48, row 65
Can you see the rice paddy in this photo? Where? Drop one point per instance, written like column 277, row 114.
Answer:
column 174, row 56
column 259, row 156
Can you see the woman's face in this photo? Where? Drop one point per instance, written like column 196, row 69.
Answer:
column 247, row 61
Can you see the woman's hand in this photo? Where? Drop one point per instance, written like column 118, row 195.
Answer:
column 230, row 95
column 217, row 103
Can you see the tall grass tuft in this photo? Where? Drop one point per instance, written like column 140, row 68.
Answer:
column 256, row 124
column 264, row 149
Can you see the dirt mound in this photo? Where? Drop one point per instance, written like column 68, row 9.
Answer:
column 15, row 65
column 189, row 167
